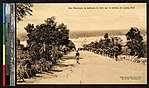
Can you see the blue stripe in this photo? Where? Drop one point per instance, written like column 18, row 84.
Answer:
column 4, row 13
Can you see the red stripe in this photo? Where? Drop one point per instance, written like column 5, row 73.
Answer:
column 4, row 75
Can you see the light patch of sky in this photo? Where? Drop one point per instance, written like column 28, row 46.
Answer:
column 91, row 19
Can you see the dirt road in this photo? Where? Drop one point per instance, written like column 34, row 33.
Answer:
column 94, row 69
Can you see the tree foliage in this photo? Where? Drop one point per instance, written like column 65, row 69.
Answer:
column 106, row 36
column 22, row 10
column 135, row 42
column 44, row 38
column 107, row 40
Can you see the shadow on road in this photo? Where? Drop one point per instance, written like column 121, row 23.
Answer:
column 70, row 57
column 56, row 70
column 65, row 65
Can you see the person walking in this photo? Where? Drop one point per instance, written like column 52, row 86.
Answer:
column 77, row 56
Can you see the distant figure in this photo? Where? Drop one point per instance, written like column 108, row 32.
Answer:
column 77, row 56
column 116, row 52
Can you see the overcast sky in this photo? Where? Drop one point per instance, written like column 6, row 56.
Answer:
column 88, row 19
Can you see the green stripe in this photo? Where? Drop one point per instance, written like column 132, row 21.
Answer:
column 4, row 33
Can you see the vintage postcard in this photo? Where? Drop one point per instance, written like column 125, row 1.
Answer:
column 81, row 43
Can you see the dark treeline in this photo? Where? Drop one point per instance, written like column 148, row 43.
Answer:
column 46, row 44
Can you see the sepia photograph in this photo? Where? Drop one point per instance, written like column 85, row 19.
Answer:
column 81, row 43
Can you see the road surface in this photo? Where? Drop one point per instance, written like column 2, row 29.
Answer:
column 94, row 69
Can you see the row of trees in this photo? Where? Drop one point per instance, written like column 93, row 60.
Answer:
column 46, row 37
column 134, row 45
column 46, row 44
column 109, row 46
